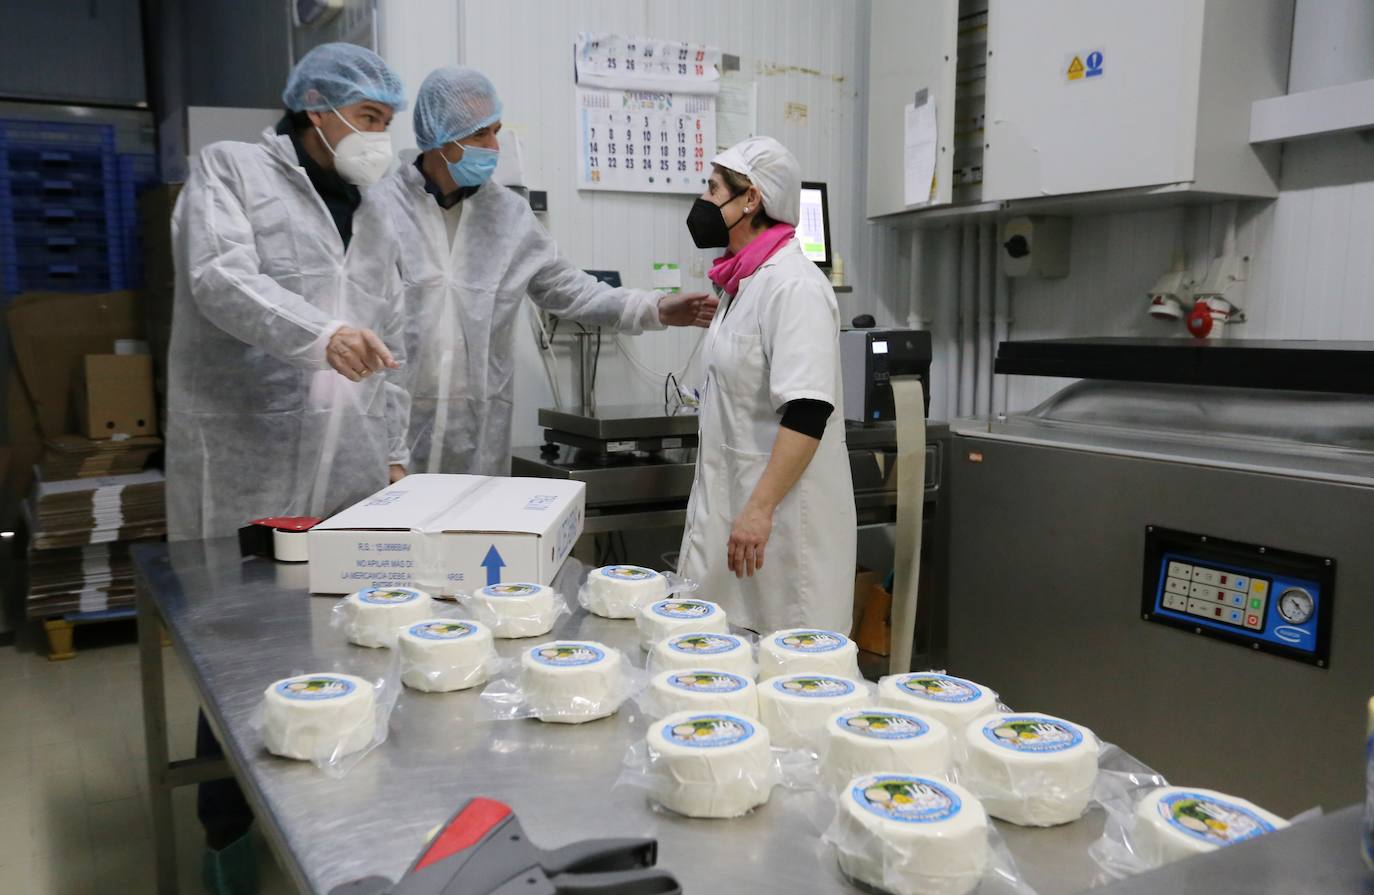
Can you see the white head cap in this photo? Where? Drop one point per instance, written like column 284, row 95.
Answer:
column 773, row 169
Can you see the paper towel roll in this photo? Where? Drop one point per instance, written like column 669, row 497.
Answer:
column 516, row 610
column 319, row 717
column 1029, row 769
column 951, row 700
column 1173, row 822
column 709, row 764
column 808, row 651
column 439, row 655
column 373, row 616
column 697, row 649
column 678, row 615
column 912, row 835
column 619, row 591
column 872, row 739
column 703, row 690
column 569, row 682
column 796, row 708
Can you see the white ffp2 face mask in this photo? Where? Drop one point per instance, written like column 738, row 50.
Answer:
column 362, row 158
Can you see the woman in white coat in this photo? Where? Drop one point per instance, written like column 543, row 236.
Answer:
column 772, row 477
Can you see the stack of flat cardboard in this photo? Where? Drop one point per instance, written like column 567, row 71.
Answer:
column 81, row 531
column 77, row 457
column 92, row 429
column 93, row 578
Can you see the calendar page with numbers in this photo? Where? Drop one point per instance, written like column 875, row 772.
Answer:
column 646, row 113
column 644, row 141
column 615, row 62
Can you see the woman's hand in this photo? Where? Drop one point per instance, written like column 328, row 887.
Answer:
column 748, row 537
column 396, row 473
column 687, row 309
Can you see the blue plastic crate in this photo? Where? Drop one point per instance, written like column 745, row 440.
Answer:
column 137, row 171
column 62, row 277
column 56, row 135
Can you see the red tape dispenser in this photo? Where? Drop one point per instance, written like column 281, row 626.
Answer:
column 282, row 538
column 483, row 850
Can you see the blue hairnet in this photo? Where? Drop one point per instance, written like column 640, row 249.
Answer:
column 335, row 75
column 453, row 103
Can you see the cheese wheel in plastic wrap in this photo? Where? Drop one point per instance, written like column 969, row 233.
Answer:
column 808, row 651
column 439, row 655
column 569, row 682
column 373, row 615
column 319, row 717
column 709, row 764
column 1030, row 769
column 874, row 738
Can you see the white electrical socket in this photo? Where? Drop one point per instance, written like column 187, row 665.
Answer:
column 1225, row 277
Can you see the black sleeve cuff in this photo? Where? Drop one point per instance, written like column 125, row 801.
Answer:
column 807, row 416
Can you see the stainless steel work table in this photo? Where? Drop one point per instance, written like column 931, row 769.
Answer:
column 240, row 624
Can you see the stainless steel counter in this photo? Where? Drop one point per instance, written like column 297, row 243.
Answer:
column 241, row 624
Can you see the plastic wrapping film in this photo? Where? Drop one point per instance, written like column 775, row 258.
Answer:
column 699, row 690
column 874, row 738
column 808, row 651
column 1150, row 824
column 373, row 616
column 330, row 719
column 440, row 655
column 515, row 610
column 712, row 764
column 697, row 649
column 620, row 591
column 914, row 835
column 565, row 682
column 677, row 615
column 796, row 708
column 1027, row 768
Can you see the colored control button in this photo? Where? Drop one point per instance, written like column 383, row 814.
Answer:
column 1235, row 616
column 1237, row 600
column 1252, row 621
column 1259, row 587
column 1256, row 602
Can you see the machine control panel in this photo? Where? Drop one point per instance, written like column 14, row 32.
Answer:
column 1268, row 599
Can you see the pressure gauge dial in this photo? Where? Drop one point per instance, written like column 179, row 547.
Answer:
column 1295, row 605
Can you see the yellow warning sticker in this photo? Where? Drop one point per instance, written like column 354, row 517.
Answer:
column 1075, row 71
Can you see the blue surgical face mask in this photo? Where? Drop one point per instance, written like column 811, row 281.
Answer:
column 475, row 167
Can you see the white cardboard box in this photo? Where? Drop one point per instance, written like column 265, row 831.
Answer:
column 449, row 533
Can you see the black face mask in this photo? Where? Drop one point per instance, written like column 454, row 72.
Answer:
column 706, row 223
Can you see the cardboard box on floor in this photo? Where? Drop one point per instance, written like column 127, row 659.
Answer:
column 116, row 396
column 449, row 534
column 52, row 332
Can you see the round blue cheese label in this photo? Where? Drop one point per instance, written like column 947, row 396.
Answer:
column 704, row 644
column 708, row 731
column 510, row 590
column 1032, row 733
column 315, row 687
column 442, row 630
column 811, row 641
column 388, row 596
column 1212, row 820
column 629, row 573
column 939, row 687
column 707, row 682
column 813, row 686
column 567, row 655
column 682, row 610
column 882, row 724
column 915, row 800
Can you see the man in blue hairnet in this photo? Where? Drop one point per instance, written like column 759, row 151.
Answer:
column 470, row 251
column 284, row 393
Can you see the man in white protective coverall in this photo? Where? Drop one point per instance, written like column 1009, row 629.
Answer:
column 284, row 392
column 470, row 251
column 287, row 343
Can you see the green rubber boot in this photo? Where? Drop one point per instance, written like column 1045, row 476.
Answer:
column 232, row 870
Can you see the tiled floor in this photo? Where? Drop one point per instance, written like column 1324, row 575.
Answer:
column 74, row 815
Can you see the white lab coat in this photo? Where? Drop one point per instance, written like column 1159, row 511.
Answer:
column 463, row 302
column 258, row 424
column 778, row 341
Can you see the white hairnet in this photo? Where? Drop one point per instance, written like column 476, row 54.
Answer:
column 335, row 75
column 453, row 103
column 772, row 168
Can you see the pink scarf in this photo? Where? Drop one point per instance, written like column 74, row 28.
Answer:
column 730, row 269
